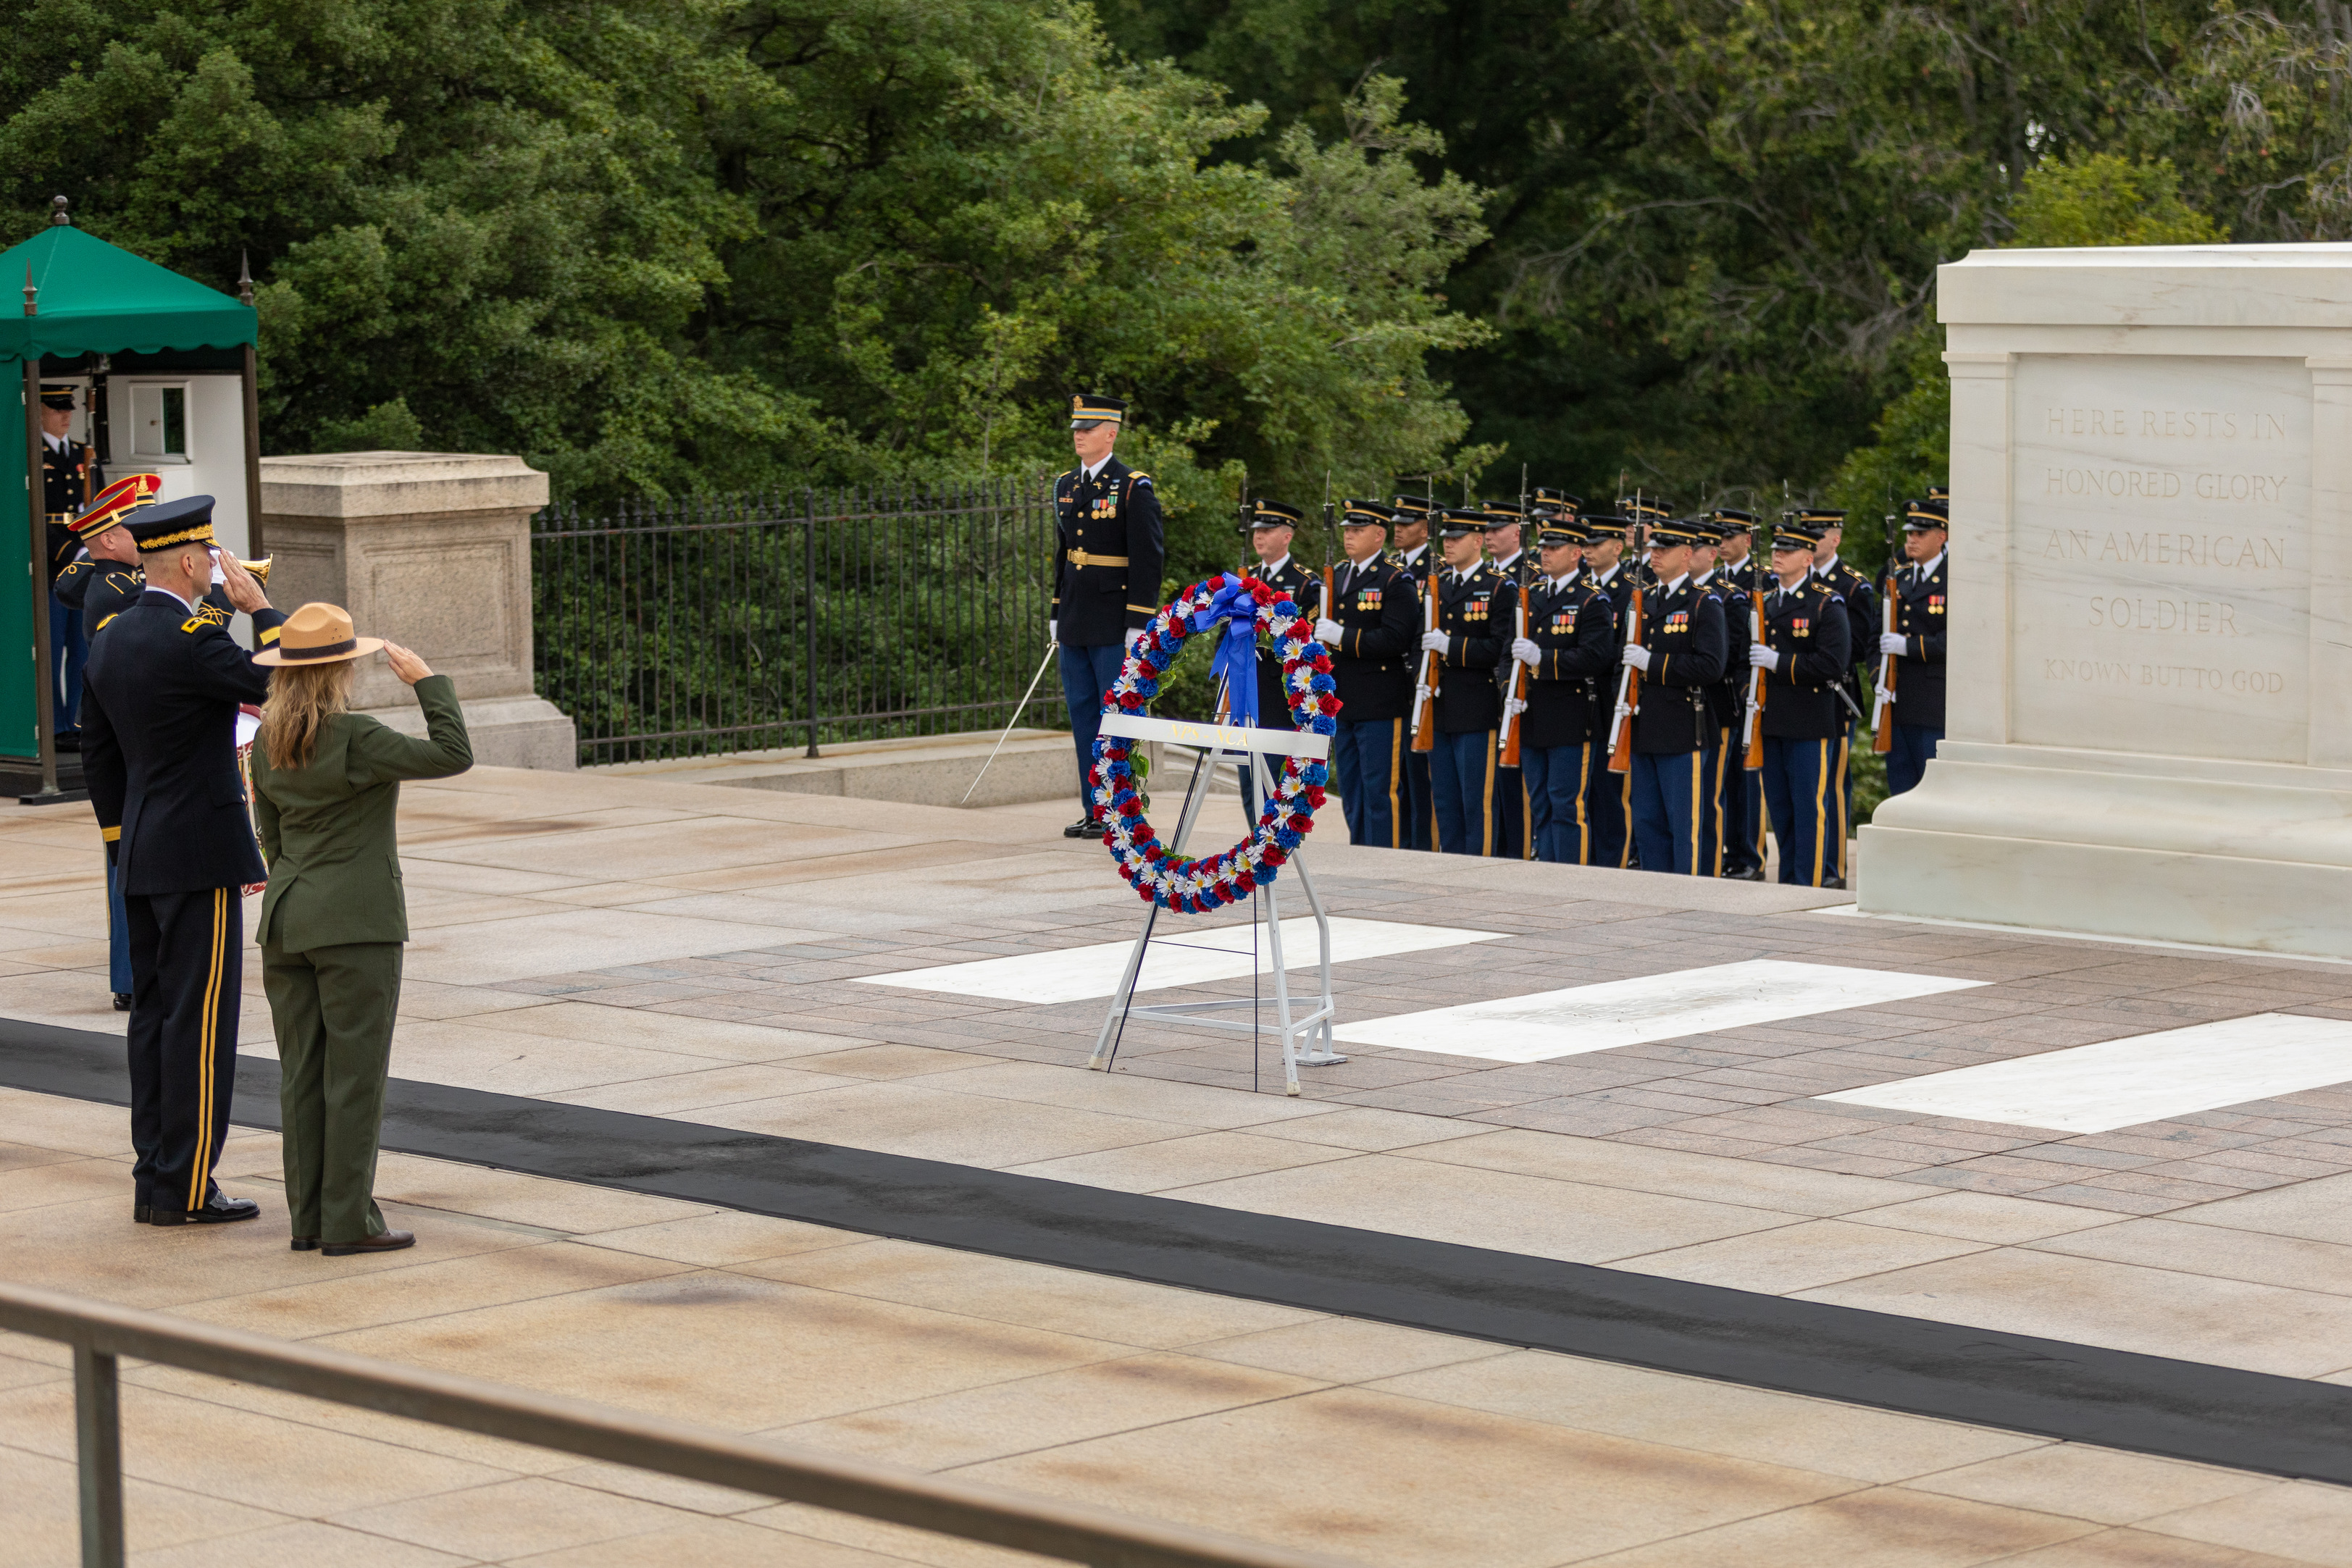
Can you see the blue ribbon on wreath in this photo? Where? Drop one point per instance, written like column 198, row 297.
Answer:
column 1236, row 661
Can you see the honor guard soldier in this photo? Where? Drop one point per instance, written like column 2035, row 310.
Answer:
column 1861, row 600
column 1724, row 697
column 164, row 687
column 1371, row 627
column 1570, row 652
column 1469, row 641
column 1806, row 653
column 1608, row 794
column 1507, row 553
column 1918, row 645
column 1271, row 529
column 1414, row 550
column 70, row 480
column 1107, row 559
column 1678, row 648
column 1741, row 819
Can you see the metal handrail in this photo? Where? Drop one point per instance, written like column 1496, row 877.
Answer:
column 101, row 1332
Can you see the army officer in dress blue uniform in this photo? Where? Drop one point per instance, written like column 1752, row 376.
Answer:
column 1107, row 551
column 1416, row 553
column 160, row 723
column 1861, row 600
column 1469, row 638
column 70, row 480
column 1679, row 648
column 1570, row 652
column 1806, row 652
column 1918, row 645
column 1372, row 628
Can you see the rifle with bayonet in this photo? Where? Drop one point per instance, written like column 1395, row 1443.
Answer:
column 1424, row 694
column 1882, row 712
column 1629, row 679
column 1515, row 690
column 1759, row 554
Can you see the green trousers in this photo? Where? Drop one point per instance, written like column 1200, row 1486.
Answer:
column 333, row 1012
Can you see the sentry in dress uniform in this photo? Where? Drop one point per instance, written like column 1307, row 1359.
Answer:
column 70, row 480
column 1107, row 555
column 1414, row 516
column 101, row 581
column 1861, row 599
column 1806, row 652
column 1506, row 549
column 1607, row 795
column 1678, row 648
column 1371, row 628
column 1472, row 627
column 1723, row 698
column 1917, row 643
column 164, row 685
column 1271, row 527
column 1570, row 652
column 1740, row 821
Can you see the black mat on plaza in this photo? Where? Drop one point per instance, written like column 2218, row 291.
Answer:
column 2189, row 1410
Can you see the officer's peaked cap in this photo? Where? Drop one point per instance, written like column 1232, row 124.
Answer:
column 1919, row 515
column 188, row 520
column 1459, row 520
column 57, row 394
column 1090, row 409
column 1361, row 513
column 1732, row 520
column 1413, row 507
column 1556, row 499
column 1560, row 531
column 1274, row 514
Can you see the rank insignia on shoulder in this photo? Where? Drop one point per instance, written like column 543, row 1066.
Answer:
column 194, row 623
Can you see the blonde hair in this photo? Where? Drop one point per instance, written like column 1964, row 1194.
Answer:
column 302, row 699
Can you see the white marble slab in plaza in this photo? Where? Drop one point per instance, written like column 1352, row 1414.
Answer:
column 1581, row 1018
column 2130, row 1082
column 1178, row 957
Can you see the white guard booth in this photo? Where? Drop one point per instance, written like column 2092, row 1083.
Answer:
column 1306, row 1036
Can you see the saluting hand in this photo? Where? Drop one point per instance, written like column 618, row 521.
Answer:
column 243, row 592
column 406, row 664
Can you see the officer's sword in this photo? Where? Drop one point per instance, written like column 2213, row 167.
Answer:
column 1015, row 719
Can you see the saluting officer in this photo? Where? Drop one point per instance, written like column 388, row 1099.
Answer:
column 1806, row 652
column 1413, row 551
column 101, row 581
column 1570, row 652
column 1861, row 600
column 1678, row 648
column 1740, row 821
column 164, row 685
column 1468, row 642
column 1506, row 551
column 1918, row 645
column 70, row 479
column 1107, row 559
column 1371, row 628
column 1608, row 795
column 1271, row 529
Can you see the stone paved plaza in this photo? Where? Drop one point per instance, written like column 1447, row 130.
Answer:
column 717, row 956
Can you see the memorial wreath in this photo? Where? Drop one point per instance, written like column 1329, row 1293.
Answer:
column 1243, row 607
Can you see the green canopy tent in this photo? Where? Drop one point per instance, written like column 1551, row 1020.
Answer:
column 86, row 301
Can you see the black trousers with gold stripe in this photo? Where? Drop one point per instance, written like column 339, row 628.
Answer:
column 186, row 957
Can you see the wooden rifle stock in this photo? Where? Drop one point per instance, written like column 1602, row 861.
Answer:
column 1755, row 756
column 1882, row 718
column 1424, row 697
column 1518, row 690
column 1629, row 693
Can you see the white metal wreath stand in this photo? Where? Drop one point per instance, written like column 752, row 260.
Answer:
column 1306, row 1037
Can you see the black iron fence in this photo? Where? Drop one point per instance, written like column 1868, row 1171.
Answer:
column 794, row 619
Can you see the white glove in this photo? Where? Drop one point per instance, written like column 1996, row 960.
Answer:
column 1134, row 635
column 1525, row 650
column 1513, row 706
column 1421, row 693
column 1891, row 643
column 1051, row 638
column 1326, row 632
column 1434, row 642
column 1761, row 657
column 1638, row 656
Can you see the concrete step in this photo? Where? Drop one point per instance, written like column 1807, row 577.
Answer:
column 928, row 770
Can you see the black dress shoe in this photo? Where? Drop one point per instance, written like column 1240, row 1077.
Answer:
column 219, row 1209
column 141, row 1212
column 1084, row 828
column 1833, row 881
column 70, row 740
column 390, row 1241
column 304, row 1244
column 1753, row 873
column 122, row 1001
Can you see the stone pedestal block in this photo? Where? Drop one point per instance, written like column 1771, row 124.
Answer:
column 432, row 551
column 2149, row 730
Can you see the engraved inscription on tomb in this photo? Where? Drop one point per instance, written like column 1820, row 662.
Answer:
column 2160, row 558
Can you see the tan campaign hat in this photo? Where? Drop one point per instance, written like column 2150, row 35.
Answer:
column 317, row 634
